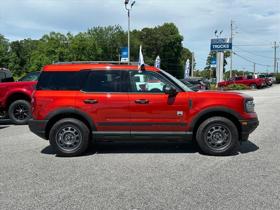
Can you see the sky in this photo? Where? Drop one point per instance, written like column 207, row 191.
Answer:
column 256, row 23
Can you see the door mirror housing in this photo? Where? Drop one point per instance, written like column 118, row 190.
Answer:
column 169, row 90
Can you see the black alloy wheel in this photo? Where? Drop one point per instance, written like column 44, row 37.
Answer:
column 20, row 112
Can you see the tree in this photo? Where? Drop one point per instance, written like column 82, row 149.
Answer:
column 4, row 51
column 213, row 69
column 97, row 43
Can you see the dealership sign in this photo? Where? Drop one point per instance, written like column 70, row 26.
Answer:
column 221, row 44
column 124, row 54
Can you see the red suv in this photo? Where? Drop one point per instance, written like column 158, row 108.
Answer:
column 78, row 102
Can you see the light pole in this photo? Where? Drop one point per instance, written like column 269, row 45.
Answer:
column 128, row 8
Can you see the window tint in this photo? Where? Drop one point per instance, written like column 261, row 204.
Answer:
column 238, row 78
column 33, row 76
column 2, row 76
column 147, row 82
column 105, row 81
column 60, row 80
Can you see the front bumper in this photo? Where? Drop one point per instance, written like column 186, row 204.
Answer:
column 247, row 127
column 38, row 127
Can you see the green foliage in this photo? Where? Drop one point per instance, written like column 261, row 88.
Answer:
column 208, row 61
column 237, row 87
column 98, row 43
column 237, row 73
column 4, row 49
column 278, row 78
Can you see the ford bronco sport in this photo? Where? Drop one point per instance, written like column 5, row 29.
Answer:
column 78, row 102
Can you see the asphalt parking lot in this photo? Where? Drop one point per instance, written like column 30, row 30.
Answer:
column 144, row 176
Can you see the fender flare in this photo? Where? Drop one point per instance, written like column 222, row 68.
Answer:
column 72, row 110
column 212, row 110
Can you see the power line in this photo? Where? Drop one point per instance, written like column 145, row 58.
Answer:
column 253, row 53
column 251, row 45
column 249, row 60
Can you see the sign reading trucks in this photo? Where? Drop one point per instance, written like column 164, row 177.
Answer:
column 221, row 44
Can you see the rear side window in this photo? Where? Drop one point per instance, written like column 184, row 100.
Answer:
column 61, row 80
column 106, row 81
column 33, row 76
column 2, row 76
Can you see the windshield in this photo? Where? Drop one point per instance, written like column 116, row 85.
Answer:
column 178, row 82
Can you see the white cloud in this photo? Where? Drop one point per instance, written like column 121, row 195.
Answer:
column 258, row 21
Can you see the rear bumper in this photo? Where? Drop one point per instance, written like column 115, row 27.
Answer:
column 247, row 127
column 38, row 127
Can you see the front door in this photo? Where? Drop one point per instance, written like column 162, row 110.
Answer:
column 153, row 111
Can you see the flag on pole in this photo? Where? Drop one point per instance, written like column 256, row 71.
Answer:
column 157, row 62
column 141, row 58
column 187, row 69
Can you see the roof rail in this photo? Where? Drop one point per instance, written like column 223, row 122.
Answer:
column 95, row 62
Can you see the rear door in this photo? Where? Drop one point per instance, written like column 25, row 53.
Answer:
column 104, row 98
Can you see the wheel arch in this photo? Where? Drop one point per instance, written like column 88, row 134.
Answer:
column 213, row 112
column 17, row 96
column 68, row 113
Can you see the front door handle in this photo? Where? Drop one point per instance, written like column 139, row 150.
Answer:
column 90, row 101
column 141, row 101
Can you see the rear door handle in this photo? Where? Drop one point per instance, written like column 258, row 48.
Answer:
column 90, row 101
column 141, row 101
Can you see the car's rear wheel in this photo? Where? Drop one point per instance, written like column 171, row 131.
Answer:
column 69, row 137
column 253, row 86
column 217, row 136
column 20, row 112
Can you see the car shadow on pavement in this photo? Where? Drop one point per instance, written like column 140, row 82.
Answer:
column 135, row 147
column 247, row 147
column 147, row 147
column 3, row 127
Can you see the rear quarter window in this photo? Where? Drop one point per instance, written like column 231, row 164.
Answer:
column 61, row 80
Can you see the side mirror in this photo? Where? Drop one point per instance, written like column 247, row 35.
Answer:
column 169, row 90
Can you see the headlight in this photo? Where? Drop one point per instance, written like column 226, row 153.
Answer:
column 250, row 106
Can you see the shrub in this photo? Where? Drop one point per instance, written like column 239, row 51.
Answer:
column 237, row 87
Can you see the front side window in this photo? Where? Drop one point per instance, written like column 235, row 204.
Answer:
column 146, row 81
column 105, row 81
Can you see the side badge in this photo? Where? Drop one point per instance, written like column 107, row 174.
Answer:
column 180, row 113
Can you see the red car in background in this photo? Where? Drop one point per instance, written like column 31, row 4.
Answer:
column 249, row 81
column 15, row 98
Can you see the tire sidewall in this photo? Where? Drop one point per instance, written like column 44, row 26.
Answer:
column 11, row 112
column 204, row 127
column 77, row 124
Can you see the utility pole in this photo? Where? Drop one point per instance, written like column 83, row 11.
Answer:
column 274, row 60
column 231, row 54
column 254, row 70
column 277, row 69
column 128, row 8
column 192, row 64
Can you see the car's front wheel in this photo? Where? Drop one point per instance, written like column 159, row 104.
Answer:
column 217, row 136
column 69, row 137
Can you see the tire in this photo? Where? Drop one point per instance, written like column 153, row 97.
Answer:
column 253, row 86
column 19, row 112
column 69, row 137
column 217, row 136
